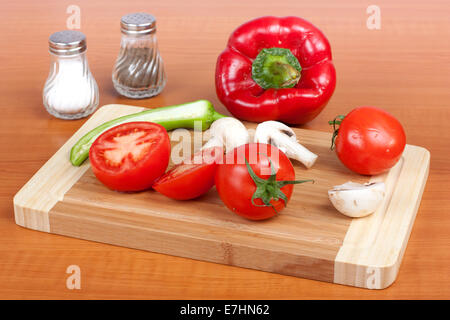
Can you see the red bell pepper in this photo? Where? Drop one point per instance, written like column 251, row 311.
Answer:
column 276, row 69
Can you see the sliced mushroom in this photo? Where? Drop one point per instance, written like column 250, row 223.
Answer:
column 357, row 200
column 228, row 132
column 284, row 138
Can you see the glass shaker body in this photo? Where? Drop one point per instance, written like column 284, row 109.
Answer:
column 139, row 70
column 70, row 91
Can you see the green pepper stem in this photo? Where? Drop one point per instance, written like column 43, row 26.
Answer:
column 276, row 68
column 288, row 72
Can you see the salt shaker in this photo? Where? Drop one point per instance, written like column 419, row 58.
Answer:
column 139, row 70
column 70, row 91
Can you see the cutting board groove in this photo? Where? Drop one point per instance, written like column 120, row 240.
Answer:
column 308, row 239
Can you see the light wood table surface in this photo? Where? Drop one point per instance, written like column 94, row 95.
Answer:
column 404, row 67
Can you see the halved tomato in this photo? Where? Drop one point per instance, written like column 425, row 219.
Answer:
column 130, row 156
column 191, row 178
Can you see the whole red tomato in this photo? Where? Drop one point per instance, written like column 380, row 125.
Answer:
column 130, row 156
column 259, row 188
column 370, row 140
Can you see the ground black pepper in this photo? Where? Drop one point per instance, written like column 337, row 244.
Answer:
column 136, row 68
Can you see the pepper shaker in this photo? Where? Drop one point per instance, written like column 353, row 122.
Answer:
column 70, row 91
column 139, row 70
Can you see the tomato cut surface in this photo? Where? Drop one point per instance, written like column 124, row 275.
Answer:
column 191, row 178
column 130, row 156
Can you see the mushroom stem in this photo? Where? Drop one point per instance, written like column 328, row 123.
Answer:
column 284, row 138
column 295, row 150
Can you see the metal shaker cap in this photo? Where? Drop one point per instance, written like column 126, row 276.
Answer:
column 138, row 23
column 67, row 42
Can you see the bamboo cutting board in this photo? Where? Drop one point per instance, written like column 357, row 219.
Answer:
column 308, row 239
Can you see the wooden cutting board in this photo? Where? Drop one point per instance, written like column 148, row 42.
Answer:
column 308, row 239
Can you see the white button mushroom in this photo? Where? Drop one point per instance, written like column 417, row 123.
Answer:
column 284, row 138
column 357, row 200
column 228, row 132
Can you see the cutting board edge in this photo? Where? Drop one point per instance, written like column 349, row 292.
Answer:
column 171, row 242
column 27, row 212
column 354, row 266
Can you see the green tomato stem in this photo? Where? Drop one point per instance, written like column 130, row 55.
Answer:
column 269, row 189
column 336, row 122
